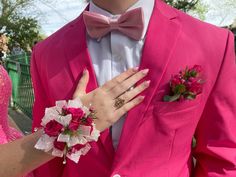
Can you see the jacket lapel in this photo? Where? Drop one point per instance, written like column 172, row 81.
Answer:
column 78, row 58
column 161, row 39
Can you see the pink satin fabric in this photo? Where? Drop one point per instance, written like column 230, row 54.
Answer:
column 130, row 23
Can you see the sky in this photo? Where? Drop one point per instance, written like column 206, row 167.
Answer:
column 219, row 14
column 56, row 13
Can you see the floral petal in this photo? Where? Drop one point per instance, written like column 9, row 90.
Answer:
column 74, row 140
column 61, row 104
column 64, row 120
column 63, row 138
column 74, row 156
column 57, row 153
column 84, row 130
column 45, row 143
column 75, row 103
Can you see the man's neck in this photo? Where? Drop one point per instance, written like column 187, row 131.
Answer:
column 115, row 6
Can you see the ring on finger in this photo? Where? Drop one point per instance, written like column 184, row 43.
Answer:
column 131, row 88
column 119, row 103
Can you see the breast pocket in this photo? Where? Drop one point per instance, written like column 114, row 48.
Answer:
column 173, row 107
column 175, row 114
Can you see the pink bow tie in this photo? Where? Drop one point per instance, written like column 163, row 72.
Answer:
column 130, row 23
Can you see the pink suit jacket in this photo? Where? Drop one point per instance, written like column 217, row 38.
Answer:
column 157, row 136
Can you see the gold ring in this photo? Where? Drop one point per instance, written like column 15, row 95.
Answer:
column 119, row 103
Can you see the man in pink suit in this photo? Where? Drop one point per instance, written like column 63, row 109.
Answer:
column 155, row 138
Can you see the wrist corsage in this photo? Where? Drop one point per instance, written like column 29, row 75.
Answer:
column 68, row 129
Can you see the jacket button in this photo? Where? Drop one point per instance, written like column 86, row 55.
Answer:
column 116, row 175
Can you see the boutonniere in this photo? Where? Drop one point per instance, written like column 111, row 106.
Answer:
column 185, row 85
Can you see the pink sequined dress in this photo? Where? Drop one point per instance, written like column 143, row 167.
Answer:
column 7, row 133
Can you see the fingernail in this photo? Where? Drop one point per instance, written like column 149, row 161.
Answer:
column 136, row 69
column 147, row 83
column 85, row 70
column 145, row 71
column 141, row 98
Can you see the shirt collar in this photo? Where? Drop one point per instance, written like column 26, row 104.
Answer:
column 146, row 5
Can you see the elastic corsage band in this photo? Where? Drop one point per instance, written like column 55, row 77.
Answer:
column 68, row 129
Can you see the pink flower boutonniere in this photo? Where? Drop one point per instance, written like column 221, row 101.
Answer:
column 185, row 85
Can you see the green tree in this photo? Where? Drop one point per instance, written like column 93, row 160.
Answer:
column 184, row 5
column 231, row 3
column 195, row 8
column 19, row 27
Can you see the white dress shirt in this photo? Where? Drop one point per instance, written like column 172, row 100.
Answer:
column 115, row 53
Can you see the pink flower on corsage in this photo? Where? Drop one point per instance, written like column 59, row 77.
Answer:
column 77, row 117
column 185, row 85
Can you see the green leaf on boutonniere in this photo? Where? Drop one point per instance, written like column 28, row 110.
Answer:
column 173, row 98
column 193, row 73
column 190, row 96
column 179, row 89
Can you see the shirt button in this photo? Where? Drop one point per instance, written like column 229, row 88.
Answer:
column 116, row 175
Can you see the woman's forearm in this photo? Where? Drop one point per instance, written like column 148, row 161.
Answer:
column 19, row 157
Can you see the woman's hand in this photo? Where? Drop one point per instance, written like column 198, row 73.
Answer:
column 115, row 98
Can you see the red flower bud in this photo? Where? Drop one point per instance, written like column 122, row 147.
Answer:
column 74, row 125
column 77, row 113
column 59, row 145
column 53, row 128
column 88, row 121
column 76, row 148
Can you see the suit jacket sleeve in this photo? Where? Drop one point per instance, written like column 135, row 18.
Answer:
column 40, row 98
column 55, row 166
column 215, row 151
